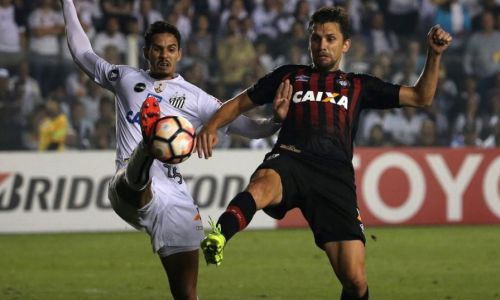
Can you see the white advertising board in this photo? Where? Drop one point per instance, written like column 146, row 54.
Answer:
column 60, row 192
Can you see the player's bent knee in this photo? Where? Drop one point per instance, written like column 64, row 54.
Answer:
column 265, row 187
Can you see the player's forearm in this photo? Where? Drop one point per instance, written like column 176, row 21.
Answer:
column 253, row 129
column 230, row 110
column 422, row 93
column 427, row 83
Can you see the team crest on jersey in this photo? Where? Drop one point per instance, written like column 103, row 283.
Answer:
column 113, row 75
column 160, row 86
column 343, row 82
column 177, row 101
column 303, row 78
column 140, row 87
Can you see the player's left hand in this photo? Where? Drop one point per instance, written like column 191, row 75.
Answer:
column 438, row 39
column 281, row 101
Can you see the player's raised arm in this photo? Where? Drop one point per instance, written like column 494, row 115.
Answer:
column 230, row 113
column 78, row 41
column 423, row 92
column 255, row 129
column 230, row 110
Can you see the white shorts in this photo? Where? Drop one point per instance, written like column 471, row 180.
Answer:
column 171, row 218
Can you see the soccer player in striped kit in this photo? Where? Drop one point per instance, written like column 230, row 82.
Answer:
column 150, row 195
column 310, row 165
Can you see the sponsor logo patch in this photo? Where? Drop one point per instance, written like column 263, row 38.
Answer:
column 139, row 87
column 303, row 78
column 113, row 75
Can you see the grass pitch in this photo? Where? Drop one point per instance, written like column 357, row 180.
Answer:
column 450, row 263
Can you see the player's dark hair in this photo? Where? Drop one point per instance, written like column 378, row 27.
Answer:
column 332, row 14
column 161, row 27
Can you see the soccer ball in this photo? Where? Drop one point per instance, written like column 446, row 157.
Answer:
column 173, row 139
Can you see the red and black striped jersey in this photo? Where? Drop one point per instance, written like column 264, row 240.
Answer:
column 324, row 110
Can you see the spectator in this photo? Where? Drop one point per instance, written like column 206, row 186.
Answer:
column 441, row 123
column 406, row 76
column 493, row 140
column 236, row 9
column 378, row 137
column 467, row 138
column 482, row 50
column 402, row 17
column 121, row 10
column 147, row 15
column 135, row 43
column 104, row 136
column 81, row 128
column 181, row 21
column 46, row 25
column 236, row 55
column 54, row 127
column 29, row 90
column 296, row 37
column 428, row 136
column 112, row 36
column 380, row 39
column 370, row 119
column 10, row 116
column 12, row 36
column 404, row 125
column 455, row 18
column 356, row 60
column 248, row 29
column 264, row 17
column 202, row 35
column 492, row 116
column 469, row 113
column 92, row 99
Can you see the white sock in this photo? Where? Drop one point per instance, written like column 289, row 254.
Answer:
column 137, row 172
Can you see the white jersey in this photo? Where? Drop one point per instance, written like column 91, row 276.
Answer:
column 132, row 86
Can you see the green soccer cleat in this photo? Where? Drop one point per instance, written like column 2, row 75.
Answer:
column 213, row 245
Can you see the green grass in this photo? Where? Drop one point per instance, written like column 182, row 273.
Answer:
column 408, row 263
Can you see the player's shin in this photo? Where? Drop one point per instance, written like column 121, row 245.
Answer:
column 238, row 214
column 137, row 172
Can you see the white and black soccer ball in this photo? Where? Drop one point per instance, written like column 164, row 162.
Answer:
column 173, row 139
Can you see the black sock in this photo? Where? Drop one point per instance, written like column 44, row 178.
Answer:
column 346, row 296
column 238, row 214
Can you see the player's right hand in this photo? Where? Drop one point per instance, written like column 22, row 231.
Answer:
column 281, row 101
column 206, row 139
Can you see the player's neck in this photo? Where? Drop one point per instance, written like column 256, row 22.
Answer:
column 160, row 76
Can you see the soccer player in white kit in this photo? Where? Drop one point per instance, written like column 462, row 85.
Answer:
column 148, row 194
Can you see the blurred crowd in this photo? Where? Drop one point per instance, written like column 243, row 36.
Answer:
column 46, row 103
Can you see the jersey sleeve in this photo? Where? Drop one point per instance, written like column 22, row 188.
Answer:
column 264, row 90
column 378, row 93
column 104, row 73
column 207, row 105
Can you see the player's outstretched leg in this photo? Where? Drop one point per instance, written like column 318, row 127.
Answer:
column 213, row 244
column 137, row 172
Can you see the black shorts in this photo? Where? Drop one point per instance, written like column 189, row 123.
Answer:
column 325, row 194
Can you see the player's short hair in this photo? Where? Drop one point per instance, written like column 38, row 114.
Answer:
column 334, row 14
column 161, row 27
